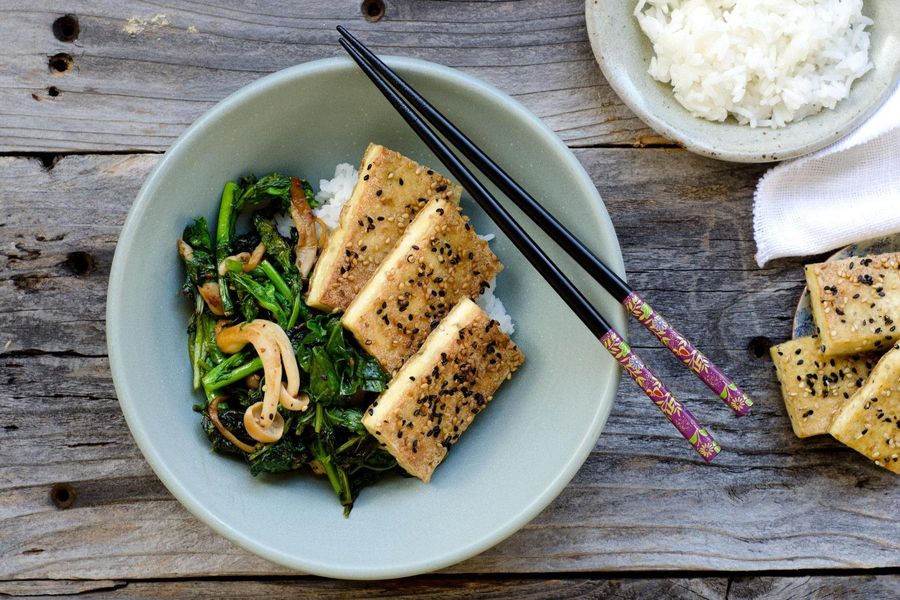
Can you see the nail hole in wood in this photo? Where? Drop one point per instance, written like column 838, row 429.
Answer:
column 48, row 160
column 80, row 263
column 62, row 495
column 53, row 91
column 66, row 28
column 60, row 63
column 372, row 10
column 759, row 346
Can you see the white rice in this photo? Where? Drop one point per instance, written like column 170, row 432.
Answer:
column 764, row 62
column 334, row 193
column 284, row 224
column 494, row 308
column 491, row 304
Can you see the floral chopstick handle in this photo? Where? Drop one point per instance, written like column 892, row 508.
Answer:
column 681, row 418
column 692, row 358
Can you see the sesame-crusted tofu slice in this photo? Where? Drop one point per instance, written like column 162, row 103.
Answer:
column 435, row 396
column 390, row 190
column 870, row 422
column 815, row 386
column 856, row 302
column 438, row 261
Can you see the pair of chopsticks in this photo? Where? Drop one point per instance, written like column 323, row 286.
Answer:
column 393, row 87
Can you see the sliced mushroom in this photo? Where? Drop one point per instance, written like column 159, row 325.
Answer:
column 259, row 427
column 233, row 339
column 274, row 348
column 252, row 381
column 290, row 397
column 307, row 240
column 249, row 261
column 323, row 232
column 210, row 293
column 213, row 412
column 185, row 250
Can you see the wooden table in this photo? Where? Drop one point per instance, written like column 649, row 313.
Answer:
column 88, row 105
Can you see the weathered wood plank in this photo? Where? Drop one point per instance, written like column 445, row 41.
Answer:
column 846, row 587
column 424, row 587
column 143, row 71
column 854, row 587
column 642, row 500
column 48, row 588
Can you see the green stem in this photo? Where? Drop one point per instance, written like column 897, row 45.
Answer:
column 196, row 357
column 349, row 443
column 266, row 268
column 295, row 311
column 320, row 417
column 224, row 235
column 263, row 296
column 221, row 376
column 331, row 471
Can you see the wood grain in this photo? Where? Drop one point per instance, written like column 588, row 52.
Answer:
column 426, row 587
column 769, row 501
column 854, row 587
column 139, row 90
column 857, row 587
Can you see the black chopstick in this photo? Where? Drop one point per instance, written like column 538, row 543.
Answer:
column 680, row 346
column 683, row 420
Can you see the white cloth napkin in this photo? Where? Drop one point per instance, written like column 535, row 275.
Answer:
column 847, row 192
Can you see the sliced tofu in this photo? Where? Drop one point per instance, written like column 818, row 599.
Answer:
column 438, row 262
column 856, row 302
column 870, row 422
column 435, row 396
column 390, row 191
column 815, row 386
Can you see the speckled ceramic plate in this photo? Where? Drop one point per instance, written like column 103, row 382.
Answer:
column 624, row 52
column 517, row 456
column 803, row 319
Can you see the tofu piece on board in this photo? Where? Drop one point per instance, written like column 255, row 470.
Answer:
column 438, row 262
column 390, row 191
column 815, row 386
column 870, row 422
column 856, row 302
column 435, row 396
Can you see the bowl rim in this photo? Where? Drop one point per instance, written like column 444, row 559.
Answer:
column 620, row 81
column 115, row 332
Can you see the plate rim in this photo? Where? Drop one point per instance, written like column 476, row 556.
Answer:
column 618, row 82
column 181, row 492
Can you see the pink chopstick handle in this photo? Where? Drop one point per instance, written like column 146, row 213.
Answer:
column 704, row 443
column 685, row 351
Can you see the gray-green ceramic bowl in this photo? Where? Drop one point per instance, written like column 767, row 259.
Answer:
column 518, row 455
column 624, row 53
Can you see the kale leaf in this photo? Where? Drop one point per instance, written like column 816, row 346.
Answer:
column 337, row 369
column 256, row 193
column 276, row 246
column 287, row 454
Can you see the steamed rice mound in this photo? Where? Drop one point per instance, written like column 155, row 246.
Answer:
column 765, row 62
